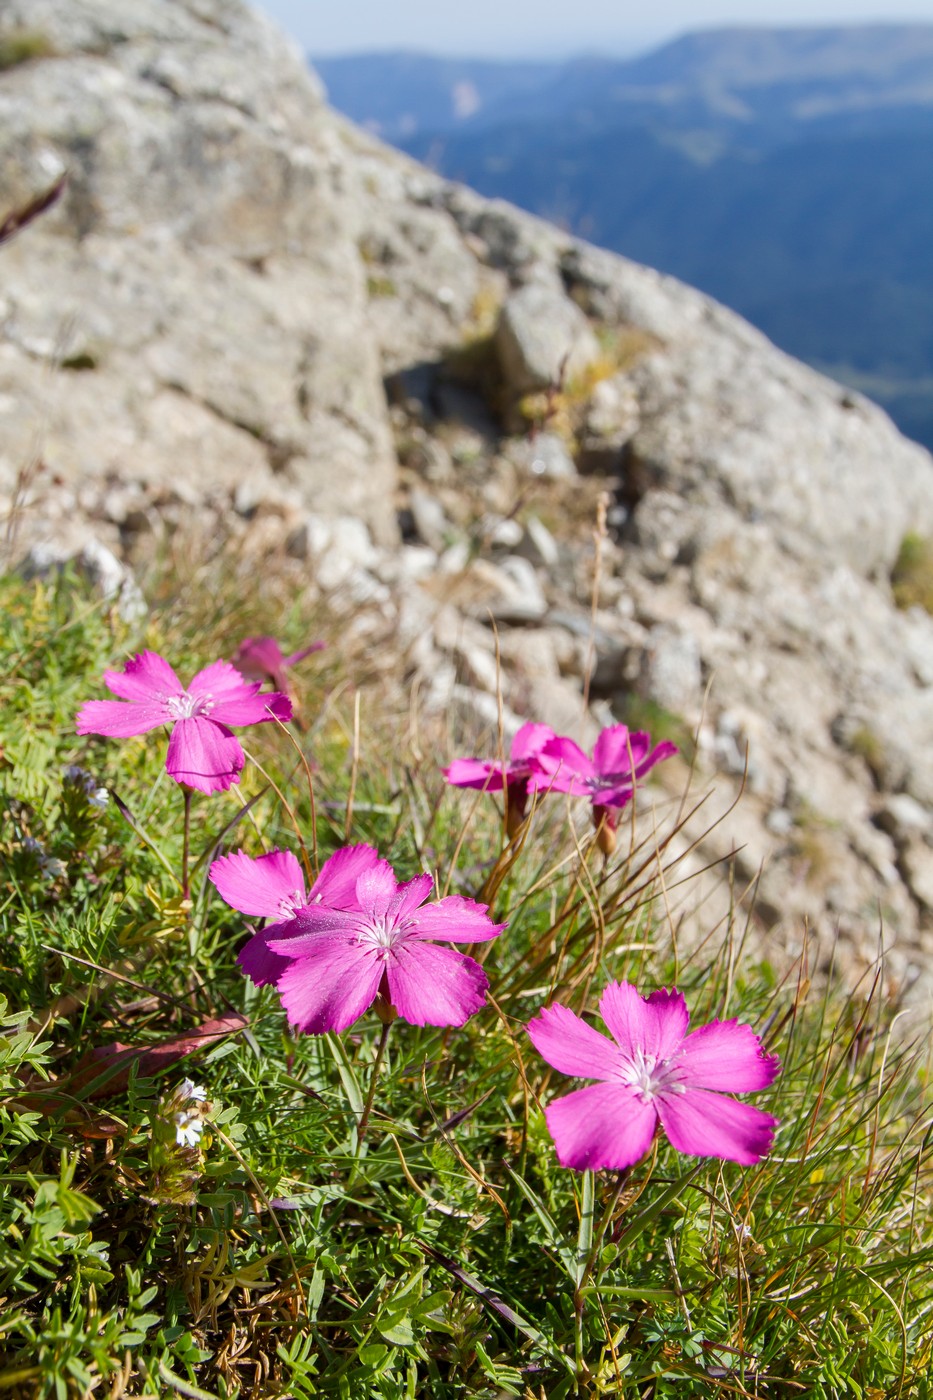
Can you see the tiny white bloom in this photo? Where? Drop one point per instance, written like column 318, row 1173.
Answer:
column 99, row 798
column 188, row 1130
column 192, row 1091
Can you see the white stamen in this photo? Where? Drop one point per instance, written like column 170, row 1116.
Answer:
column 187, row 706
column 649, row 1076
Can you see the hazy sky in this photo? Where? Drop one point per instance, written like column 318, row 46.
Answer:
column 513, row 28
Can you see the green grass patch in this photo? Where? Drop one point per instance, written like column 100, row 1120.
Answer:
column 912, row 575
column 449, row 1254
column 23, row 46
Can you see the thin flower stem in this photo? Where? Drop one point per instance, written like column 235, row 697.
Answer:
column 368, row 1106
column 186, row 849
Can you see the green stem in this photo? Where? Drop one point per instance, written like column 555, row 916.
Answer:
column 186, row 849
column 368, row 1106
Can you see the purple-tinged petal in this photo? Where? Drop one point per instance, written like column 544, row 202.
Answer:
column 663, row 750
column 297, row 656
column 409, row 897
column 145, row 679
column 258, row 961
column 234, row 700
column 604, row 1127
column 120, row 719
column 259, row 657
column 704, row 1124
column 431, row 986
column 474, row 773
column 258, row 886
column 295, row 936
column 336, row 884
column 564, row 767
column 614, row 754
column 455, row 919
column 375, row 889
column 573, row 1046
column 204, row 755
column 726, row 1055
column 654, row 1025
column 616, row 797
column 330, row 986
column 528, row 743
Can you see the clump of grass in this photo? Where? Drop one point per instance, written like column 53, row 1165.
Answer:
column 20, row 46
column 640, row 712
column 450, row 1255
column 912, row 575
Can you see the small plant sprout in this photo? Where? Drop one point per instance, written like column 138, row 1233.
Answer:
column 342, row 960
column 273, row 887
column 653, row 1074
column 522, row 774
column 203, row 753
column 620, row 760
column 86, row 783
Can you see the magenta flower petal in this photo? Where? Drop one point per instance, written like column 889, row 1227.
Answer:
column 259, row 886
column 614, row 752
column 376, row 888
column 705, row 1124
column 653, row 1025
column 384, row 937
column 336, row 884
column 410, row 896
column 564, row 767
column 229, row 699
column 529, row 741
column 568, row 1043
column 455, row 919
column 204, row 755
column 655, row 1065
column 145, row 679
column 258, row 961
column 431, row 986
column 120, row 719
column 604, row 1127
column 330, row 986
column 728, row 1056
column 297, row 656
column 474, row 773
column 296, row 936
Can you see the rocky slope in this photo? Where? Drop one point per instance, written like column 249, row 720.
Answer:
column 246, row 310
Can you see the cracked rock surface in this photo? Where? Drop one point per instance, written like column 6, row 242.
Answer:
column 247, row 312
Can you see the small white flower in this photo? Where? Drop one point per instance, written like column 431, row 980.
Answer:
column 188, row 1129
column 99, row 798
column 190, row 1090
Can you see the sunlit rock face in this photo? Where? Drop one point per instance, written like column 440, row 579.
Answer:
column 193, row 310
column 245, row 312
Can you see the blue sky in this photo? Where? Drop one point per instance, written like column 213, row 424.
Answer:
column 534, row 28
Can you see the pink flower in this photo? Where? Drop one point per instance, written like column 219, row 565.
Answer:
column 261, row 659
column 273, row 887
column 202, row 751
column 653, row 1072
column 342, row 959
column 521, row 773
column 620, row 759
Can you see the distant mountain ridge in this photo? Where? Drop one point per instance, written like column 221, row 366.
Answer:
column 787, row 172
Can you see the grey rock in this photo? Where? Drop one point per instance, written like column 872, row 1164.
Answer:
column 112, row 579
column 545, row 454
column 541, row 338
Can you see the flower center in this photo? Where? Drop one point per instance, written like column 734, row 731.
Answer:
column 649, row 1076
column 186, row 706
column 380, row 935
column 291, row 904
